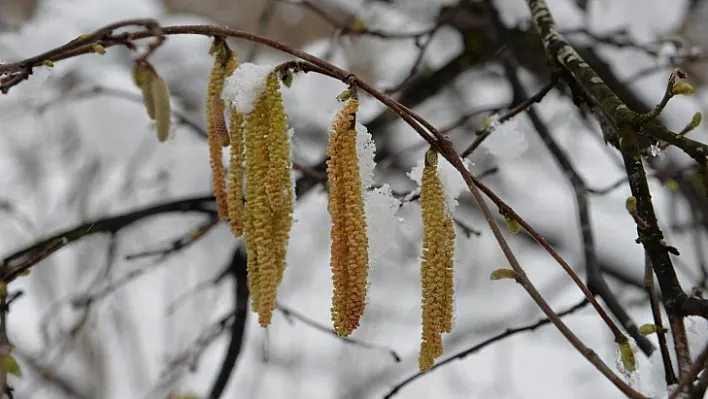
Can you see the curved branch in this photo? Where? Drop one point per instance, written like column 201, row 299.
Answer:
column 22, row 260
column 237, row 269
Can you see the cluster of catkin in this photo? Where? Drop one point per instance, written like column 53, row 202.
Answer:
column 257, row 199
column 260, row 155
column 349, row 258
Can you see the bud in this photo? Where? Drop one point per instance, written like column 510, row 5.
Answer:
column 627, row 356
column 9, row 365
column 647, row 329
column 345, row 95
column 98, row 49
column 631, row 205
column 696, row 120
column 683, row 88
column 500, row 274
column 511, row 224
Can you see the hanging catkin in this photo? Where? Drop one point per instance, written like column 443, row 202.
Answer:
column 437, row 265
column 349, row 258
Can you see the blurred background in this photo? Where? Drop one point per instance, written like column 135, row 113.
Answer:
column 127, row 313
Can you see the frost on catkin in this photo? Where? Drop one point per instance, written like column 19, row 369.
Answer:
column 269, row 198
column 349, row 258
column 437, row 264
column 225, row 62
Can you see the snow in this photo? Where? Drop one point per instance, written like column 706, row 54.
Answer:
column 245, row 85
column 452, row 181
column 508, row 139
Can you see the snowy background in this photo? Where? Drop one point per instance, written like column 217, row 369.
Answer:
column 68, row 157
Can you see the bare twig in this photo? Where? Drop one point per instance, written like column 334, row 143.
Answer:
column 507, row 333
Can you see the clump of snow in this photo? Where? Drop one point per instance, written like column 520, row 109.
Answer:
column 365, row 151
column 245, row 85
column 452, row 181
column 506, row 139
column 696, row 334
column 380, row 207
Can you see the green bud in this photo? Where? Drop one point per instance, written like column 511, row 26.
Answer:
column 500, row 274
column 511, row 224
column 631, row 205
column 9, row 365
column 345, row 95
column 627, row 356
column 97, row 48
column 696, row 120
column 683, row 88
column 647, row 329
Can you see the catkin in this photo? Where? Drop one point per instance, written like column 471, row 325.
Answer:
column 225, row 62
column 234, row 192
column 269, row 198
column 142, row 76
column 349, row 257
column 163, row 110
column 437, row 264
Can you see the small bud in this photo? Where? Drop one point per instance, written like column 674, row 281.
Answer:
column 631, row 205
column 683, row 88
column 627, row 356
column 97, row 48
column 9, row 365
column 647, row 329
column 48, row 63
column 500, row 274
column 345, row 95
column 696, row 120
column 163, row 110
column 511, row 224
column 25, row 272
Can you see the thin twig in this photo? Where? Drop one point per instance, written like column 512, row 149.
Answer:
column 461, row 355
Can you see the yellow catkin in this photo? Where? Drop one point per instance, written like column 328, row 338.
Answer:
column 225, row 61
column 437, row 264
column 278, row 179
column 234, row 193
column 269, row 198
column 349, row 258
